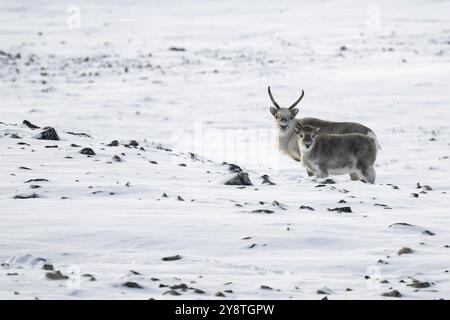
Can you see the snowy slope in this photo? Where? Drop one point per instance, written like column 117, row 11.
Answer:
column 117, row 78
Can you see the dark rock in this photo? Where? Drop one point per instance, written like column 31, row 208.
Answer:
column 133, row 143
column 79, row 134
column 52, row 147
column 262, row 211
column 228, row 291
column 240, row 179
column 15, row 136
column 113, row 143
column 49, row 134
column 264, row 287
column 182, row 165
column 88, row 152
column 56, row 275
column 153, row 162
column 428, row 233
column 164, row 195
column 177, row 49
column 418, row 284
column 302, row 207
column 341, row 209
column 12, row 274
column 36, row 180
column 342, row 201
column 172, row 258
column 132, row 285
column 48, row 267
column 24, row 168
column 275, row 203
column 266, row 180
column 393, row 293
column 134, row 272
column 28, row 196
column 181, row 286
column 328, row 181
column 414, row 195
column 35, row 186
column 233, row 167
column 30, row 125
column 172, row 293
column 219, row 294
column 116, row 158
column 320, row 186
column 405, row 250
column 198, row 291
column 180, row 198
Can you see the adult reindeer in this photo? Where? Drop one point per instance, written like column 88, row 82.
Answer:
column 285, row 122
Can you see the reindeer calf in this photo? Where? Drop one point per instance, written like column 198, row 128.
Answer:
column 336, row 154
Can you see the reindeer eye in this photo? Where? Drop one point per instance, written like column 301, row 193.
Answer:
column 290, row 117
column 301, row 136
column 312, row 136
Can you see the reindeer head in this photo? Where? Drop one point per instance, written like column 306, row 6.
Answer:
column 284, row 117
column 306, row 136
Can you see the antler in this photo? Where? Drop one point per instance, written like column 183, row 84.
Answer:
column 272, row 99
column 298, row 100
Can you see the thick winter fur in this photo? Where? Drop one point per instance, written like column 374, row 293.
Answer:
column 336, row 154
column 287, row 141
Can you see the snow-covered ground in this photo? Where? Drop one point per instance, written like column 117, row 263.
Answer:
column 185, row 76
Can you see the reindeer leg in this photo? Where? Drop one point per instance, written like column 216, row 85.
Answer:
column 323, row 172
column 309, row 172
column 354, row 176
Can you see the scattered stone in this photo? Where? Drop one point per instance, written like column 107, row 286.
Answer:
column 182, row 165
column 240, row 179
column 180, row 198
column 29, row 196
column 164, row 195
column 393, row 293
column 181, row 286
column 116, row 158
column 133, row 143
column 233, row 167
column 79, row 134
column 56, row 275
column 405, row 250
column 24, row 168
column 262, row 211
column 48, row 134
column 252, row 246
column 134, row 272
column 219, row 294
column 30, row 125
column 302, row 207
column 418, row 284
column 266, row 180
column 384, row 281
column 132, row 285
column 12, row 274
column 414, row 195
column 172, row 293
column 342, row 201
column 52, row 147
column 428, row 233
column 349, row 289
column 48, row 267
column 341, row 209
column 172, row 258
column 153, row 162
column 275, row 203
column 177, row 49
column 113, row 143
column 264, row 287
column 15, row 136
column 198, row 291
column 328, row 181
column 88, row 152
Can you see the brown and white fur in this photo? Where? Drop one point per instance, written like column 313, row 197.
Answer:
column 285, row 122
column 336, row 154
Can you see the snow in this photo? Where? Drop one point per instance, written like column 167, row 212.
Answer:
column 115, row 78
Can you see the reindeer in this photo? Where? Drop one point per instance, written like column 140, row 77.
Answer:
column 285, row 121
column 336, row 153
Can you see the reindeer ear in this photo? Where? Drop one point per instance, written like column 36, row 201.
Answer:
column 298, row 128
column 273, row 111
column 294, row 112
column 316, row 130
